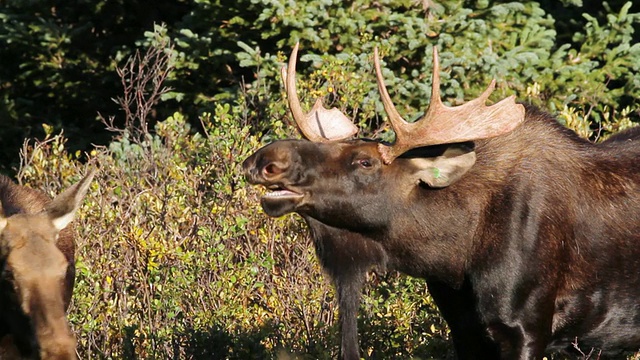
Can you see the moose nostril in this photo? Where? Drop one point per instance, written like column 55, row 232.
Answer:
column 271, row 170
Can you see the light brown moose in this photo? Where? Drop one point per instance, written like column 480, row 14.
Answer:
column 37, row 270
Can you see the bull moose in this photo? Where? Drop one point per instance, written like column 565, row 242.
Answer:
column 527, row 235
column 37, row 270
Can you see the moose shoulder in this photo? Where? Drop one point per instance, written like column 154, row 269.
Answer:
column 37, row 270
column 528, row 235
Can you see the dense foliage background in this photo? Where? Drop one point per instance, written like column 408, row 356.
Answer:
column 58, row 58
column 175, row 258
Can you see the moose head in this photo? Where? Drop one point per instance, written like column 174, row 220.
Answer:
column 36, row 255
column 311, row 176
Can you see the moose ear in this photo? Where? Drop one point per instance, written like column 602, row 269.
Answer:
column 63, row 208
column 444, row 170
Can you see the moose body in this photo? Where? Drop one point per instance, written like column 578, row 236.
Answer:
column 37, row 271
column 529, row 240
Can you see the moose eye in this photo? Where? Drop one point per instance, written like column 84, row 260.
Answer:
column 365, row 163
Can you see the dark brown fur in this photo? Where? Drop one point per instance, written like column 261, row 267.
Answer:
column 535, row 247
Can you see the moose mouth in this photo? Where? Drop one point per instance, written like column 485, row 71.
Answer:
column 281, row 193
column 280, row 200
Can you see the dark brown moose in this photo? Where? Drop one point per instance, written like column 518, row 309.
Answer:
column 528, row 236
column 37, row 270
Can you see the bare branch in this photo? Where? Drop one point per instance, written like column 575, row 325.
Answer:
column 142, row 78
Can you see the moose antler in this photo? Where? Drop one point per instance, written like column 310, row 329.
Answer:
column 320, row 124
column 443, row 124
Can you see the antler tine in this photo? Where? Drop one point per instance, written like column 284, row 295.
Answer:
column 289, row 79
column 394, row 117
column 320, row 124
column 436, row 101
column 442, row 124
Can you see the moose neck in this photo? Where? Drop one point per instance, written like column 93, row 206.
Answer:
column 442, row 247
column 439, row 250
